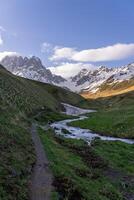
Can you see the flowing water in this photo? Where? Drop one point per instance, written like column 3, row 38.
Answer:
column 79, row 133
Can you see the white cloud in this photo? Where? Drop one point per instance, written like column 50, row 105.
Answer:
column 2, row 29
column 70, row 69
column 46, row 47
column 115, row 52
column 7, row 53
column 63, row 53
column 1, row 40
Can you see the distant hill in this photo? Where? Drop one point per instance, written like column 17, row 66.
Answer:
column 28, row 95
column 107, row 90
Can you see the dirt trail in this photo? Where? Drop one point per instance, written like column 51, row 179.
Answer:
column 41, row 182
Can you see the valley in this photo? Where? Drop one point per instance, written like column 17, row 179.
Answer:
column 87, row 168
column 101, row 170
column 115, row 119
column 66, row 100
column 20, row 101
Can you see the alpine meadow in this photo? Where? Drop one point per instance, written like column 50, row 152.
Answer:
column 66, row 100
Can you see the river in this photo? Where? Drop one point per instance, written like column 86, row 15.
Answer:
column 79, row 133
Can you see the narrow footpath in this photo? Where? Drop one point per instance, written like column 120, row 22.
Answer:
column 41, row 181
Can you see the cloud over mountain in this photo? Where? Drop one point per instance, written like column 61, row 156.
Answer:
column 1, row 30
column 70, row 69
column 7, row 53
column 1, row 40
column 109, row 53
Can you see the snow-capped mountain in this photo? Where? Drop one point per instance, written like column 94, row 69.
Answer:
column 86, row 81
column 31, row 68
column 92, row 80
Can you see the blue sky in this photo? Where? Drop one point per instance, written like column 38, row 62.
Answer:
column 71, row 26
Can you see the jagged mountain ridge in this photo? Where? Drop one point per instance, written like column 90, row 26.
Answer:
column 86, row 81
column 92, row 80
column 31, row 68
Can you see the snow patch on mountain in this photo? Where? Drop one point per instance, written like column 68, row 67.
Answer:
column 31, row 68
column 86, row 80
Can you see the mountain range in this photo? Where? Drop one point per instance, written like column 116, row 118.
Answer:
column 25, row 104
column 102, row 81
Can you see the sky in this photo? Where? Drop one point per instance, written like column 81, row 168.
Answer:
column 69, row 35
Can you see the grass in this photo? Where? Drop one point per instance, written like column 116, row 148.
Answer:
column 20, row 100
column 50, row 117
column 116, row 122
column 32, row 96
column 119, row 155
column 83, row 172
column 78, row 170
column 115, row 116
column 16, row 156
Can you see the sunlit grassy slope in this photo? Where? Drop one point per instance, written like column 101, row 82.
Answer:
column 107, row 90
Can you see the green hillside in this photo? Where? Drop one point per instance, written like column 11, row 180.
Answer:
column 27, row 95
column 19, row 99
column 115, row 116
column 22, row 99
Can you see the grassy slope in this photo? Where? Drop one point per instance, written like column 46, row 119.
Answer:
column 16, row 156
column 115, row 117
column 20, row 98
column 111, row 89
column 30, row 95
column 89, row 173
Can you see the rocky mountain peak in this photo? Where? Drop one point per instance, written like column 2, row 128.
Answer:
column 84, row 71
column 31, row 68
column 104, row 69
column 35, row 61
column 84, row 80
